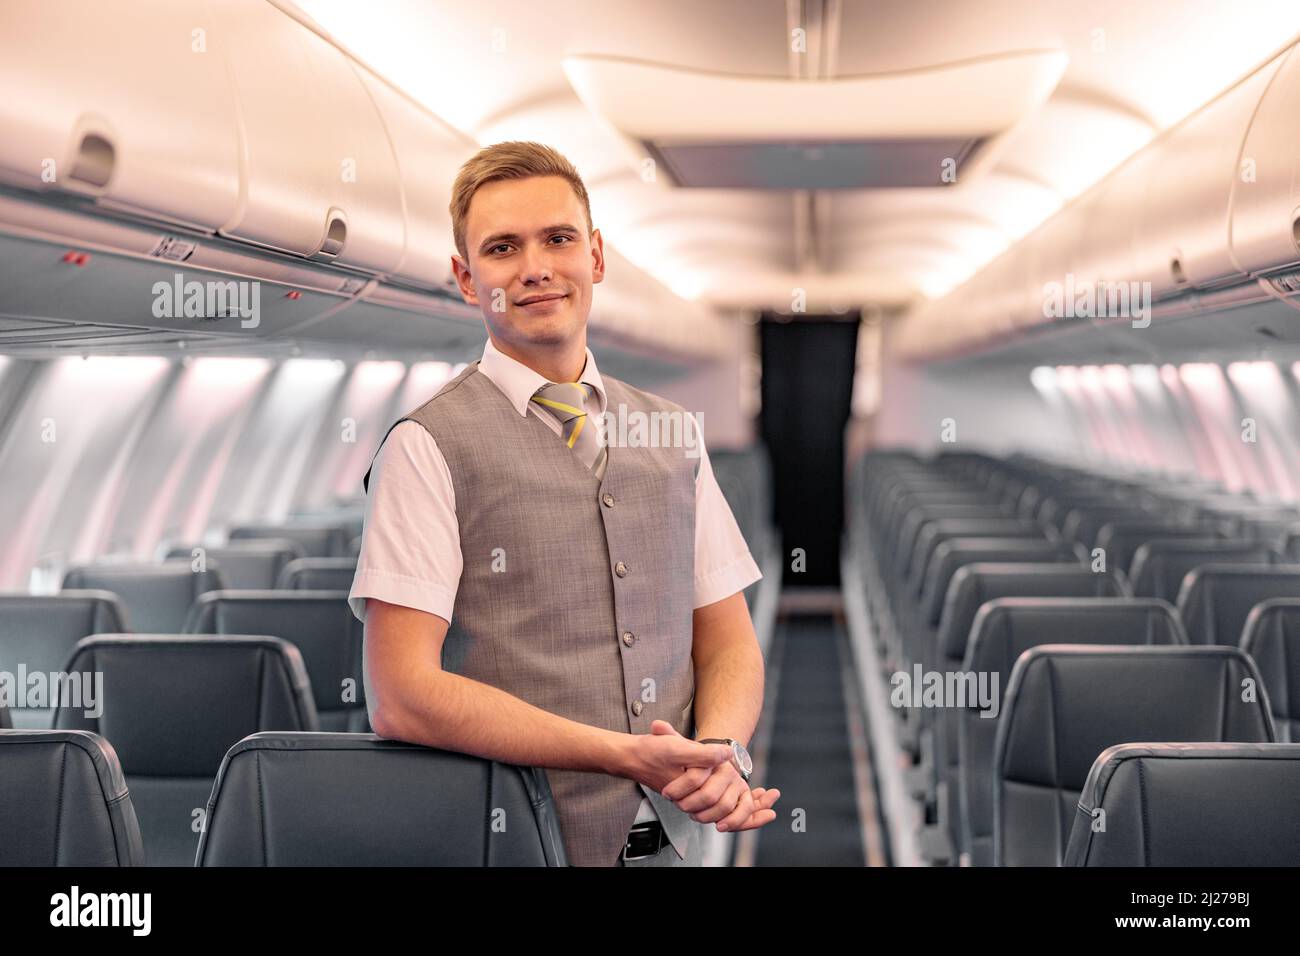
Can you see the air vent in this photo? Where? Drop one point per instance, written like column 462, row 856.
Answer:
column 336, row 234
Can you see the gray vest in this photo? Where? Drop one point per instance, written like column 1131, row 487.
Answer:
column 576, row 595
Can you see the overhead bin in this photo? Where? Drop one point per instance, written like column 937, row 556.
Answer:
column 1182, row 238
column 429, row 154
column 1265, row 212
column 320, row 175
column 134, row 108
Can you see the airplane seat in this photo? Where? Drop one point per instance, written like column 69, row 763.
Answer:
column 39, row 631
column 1003, row 630
column 1160, row 565
column 64, row 802
column 1065, row 704
column 1216, row 599
column 1121, row 539
column 157, row 596
column 319, row 624
column 172, row 705
column 292, row 799
column 318, row 574
column 972, row 586
column 1271, row 637
column 5, row 722
column 315, row 540
column 247, row 564
column 1193, row 804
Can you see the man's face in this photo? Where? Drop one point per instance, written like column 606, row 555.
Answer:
column 531, row 261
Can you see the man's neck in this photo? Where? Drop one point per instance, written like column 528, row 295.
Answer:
column 561, row 364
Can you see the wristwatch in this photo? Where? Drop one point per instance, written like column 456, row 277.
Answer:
column 739, row 755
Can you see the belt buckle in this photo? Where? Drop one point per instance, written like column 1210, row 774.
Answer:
column 644, row 828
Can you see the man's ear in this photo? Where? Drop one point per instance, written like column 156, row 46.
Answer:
column 597, row 256
column 464, row 281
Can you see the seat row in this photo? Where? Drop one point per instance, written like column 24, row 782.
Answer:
column 1049, row 547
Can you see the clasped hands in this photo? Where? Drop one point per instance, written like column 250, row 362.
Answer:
column 701, row 780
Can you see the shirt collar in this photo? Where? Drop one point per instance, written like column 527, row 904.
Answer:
column 519, row 383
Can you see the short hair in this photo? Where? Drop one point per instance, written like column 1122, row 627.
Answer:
column 510, row 160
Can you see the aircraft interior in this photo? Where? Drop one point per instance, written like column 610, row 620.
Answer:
column 986, row 314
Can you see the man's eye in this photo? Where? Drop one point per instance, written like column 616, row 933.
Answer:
column 565, row 238
column 500, row 246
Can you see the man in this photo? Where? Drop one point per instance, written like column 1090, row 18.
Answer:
column 536, row 595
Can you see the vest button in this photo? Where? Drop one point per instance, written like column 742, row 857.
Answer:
column 637, row 708
column 607, row 500
column 620, row 569
column 628, row 638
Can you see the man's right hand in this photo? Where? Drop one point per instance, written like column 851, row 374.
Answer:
column 658, row 758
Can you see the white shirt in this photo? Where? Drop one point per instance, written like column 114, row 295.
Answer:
column 410, row 542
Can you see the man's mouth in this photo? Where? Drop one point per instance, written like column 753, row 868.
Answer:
column 535, row 299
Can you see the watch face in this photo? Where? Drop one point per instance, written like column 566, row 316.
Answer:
column 742, row 757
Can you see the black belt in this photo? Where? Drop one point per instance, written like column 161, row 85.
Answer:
column 644, row 839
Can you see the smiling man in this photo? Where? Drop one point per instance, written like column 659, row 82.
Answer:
column 535, row 596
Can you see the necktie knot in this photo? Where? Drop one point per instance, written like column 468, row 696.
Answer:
column 567, row 403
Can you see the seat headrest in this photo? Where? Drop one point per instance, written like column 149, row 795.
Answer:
column 64, row 802
column 174, row 704
column 157, row 596
column 286, row 799
column 1189, row 804
column 1216, row 599
column 1067, row 703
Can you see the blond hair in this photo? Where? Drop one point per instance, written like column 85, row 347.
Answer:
column 511, row 160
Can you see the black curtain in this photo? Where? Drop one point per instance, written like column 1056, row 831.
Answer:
column 807, row 388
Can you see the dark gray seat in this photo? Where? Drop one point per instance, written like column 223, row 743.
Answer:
column 934, row 533
column 319, row 624
column 318, row 574
column 157, row 596
column 1271, row 636
column 1121, row 539
column 1003, row 630
column 1067, row 703
column 1216, row 599
column 64, row 802
column 39, row 631
column 172, row 706
column 249, row 564
column 285, row 799
column 1193, row 804
column 315, row 540
column 1160, row 565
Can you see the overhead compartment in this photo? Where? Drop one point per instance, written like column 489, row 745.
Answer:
column 429, row 154
column 132, row 108
column 320, row 175
column 1265, row 211
column 1183, row 237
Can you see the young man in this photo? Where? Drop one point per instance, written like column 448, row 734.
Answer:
column 535, row 595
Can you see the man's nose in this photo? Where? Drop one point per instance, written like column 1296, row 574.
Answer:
column 535, row 267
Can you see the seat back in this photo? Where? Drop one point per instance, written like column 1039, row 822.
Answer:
column 172, row 705
column 1067, row 703
column 1216, row 599
column 284, row 799
column 1193, row 804
column 1121, row 539
column 38, row 633
column 248, row 564
column 318, row 574
column 957, row 552
column 1160, row 565
column 1271, row 637
column 64, row 802
column 1003, row 630
column 157, row 596
column 319, row 624
column 315, row 540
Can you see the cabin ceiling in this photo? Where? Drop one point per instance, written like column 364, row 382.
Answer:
column 1133, row 70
